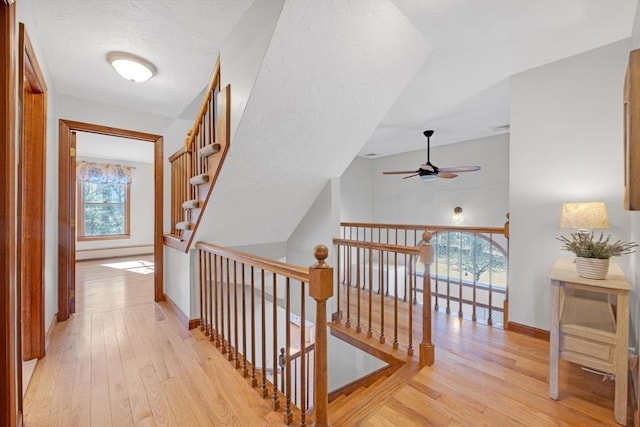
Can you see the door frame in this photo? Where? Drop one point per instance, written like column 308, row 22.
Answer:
column 10, row 381
column 32, row 92
column 67, row 210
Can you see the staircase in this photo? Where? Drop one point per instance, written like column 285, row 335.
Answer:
column 196, row 166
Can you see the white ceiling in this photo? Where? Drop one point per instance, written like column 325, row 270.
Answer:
column 461, row 90
column 181, row 38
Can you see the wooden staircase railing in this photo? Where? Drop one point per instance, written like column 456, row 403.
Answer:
column 369, row 296
column 196, row 166
column 247, row 304
column 470, row 270
column 389, row 274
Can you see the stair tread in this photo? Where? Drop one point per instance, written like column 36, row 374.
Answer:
column 209, row 150
column 199, row 179
column 183, row 226
column 191, row 204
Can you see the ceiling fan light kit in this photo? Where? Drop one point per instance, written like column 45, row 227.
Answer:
column 429, row 172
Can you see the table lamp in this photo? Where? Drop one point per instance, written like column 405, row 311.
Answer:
column 584, row 216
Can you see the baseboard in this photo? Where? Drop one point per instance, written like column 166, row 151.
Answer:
column 86, row 254
column 194, row 323
column 49, row 333
column 528, row 330
column 182, row 318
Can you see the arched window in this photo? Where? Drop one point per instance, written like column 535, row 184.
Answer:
column 474, row 257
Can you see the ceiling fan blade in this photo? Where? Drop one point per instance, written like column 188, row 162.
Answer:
column 460, row 169
column 399, row 172
column 447, row 175
column 410, row 176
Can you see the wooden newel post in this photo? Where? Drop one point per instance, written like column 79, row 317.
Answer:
column 427, row 350
column 321, row 289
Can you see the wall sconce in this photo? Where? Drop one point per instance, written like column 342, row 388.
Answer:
column 457, row 215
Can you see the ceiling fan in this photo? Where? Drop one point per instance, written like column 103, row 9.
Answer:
column 429, row 172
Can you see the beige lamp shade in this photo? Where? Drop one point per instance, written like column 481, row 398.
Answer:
column 584, row 215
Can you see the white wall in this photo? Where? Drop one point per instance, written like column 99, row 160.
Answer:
column 566, row 145
column 82, row 110
column 141, row 208
column 356, row 191
column 243, row 51
column 176, row 263
column 319, row 226
column 23, row 10
column 483, row 195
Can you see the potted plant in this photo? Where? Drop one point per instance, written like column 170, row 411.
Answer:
column 592, row 255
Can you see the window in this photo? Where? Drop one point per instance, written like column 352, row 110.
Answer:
column 103, row 201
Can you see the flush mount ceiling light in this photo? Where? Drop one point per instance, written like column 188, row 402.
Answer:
column 131, row 67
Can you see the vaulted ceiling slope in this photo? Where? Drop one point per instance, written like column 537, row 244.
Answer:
column 462, row 89
column 330, row 74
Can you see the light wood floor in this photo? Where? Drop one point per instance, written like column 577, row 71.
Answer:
column 481, row 376
column 123, row 360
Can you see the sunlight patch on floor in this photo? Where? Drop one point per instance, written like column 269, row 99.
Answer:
column 140, row 266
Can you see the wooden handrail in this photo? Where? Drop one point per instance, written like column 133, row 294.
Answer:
column 180, row 152
column 233, row 284
column 278, row 267
column 195, row 167
column 307, row 349
column 411, row 250
column 204, row 106
column 424, row 227
column 376, row 269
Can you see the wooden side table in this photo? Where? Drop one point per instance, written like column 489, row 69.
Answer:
column 585, row 330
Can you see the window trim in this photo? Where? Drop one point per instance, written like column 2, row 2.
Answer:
column 80, row 217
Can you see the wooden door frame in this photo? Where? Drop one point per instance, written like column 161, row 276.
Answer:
column 10, row 380
column 32, row 92
column 66, row 211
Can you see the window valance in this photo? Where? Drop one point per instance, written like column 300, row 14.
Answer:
column 104, row 173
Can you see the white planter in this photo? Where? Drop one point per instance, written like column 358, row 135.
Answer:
column 592, row 268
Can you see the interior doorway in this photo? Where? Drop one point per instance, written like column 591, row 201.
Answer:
column 30, row 254
column 67, row 207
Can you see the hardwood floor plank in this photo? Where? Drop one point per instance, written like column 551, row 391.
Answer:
column 121, row 412
column 481, row 376
column 124, row 360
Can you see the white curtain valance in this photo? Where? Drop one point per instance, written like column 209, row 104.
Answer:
column 104, row 173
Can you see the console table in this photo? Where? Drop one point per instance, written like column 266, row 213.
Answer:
column 584, row 328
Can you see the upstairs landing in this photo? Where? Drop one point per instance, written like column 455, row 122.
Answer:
column 481, row 376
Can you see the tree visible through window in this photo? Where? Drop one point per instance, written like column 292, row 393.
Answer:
column 105, row 209
column 470, row 253
column 103, row 201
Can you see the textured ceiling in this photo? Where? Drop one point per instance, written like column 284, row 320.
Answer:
column 461, row 90
column 181, row 38
column 331, row 72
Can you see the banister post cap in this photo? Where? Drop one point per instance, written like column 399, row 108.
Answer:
column 320, row 252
